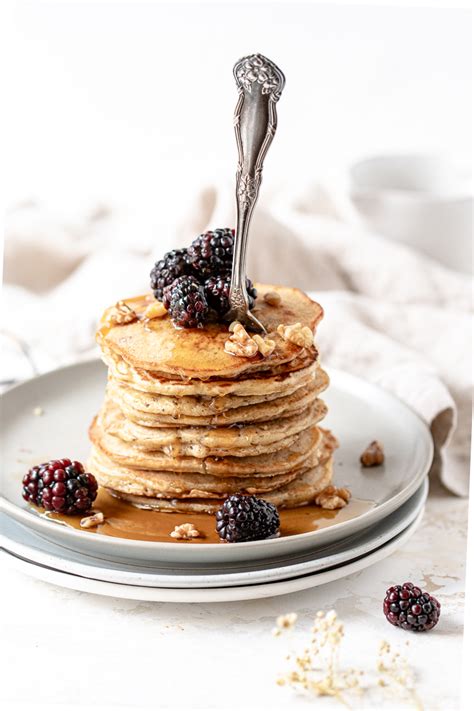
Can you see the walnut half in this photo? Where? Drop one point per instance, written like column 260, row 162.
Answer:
column 297, row 333
column 121, row 314
column 272, row 298
column 240, row 343
column 93, row 520
column 333, row 498
column 373, row 455
column 265, row 345
column 186, row 531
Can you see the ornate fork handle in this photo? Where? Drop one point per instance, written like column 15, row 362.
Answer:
column 260, row 84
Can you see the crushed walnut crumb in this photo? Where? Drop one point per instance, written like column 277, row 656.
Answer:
column 272, row 298
column 373, row 455
column 186, row 531
column 333, row 498
column 121, row 314
column 94, row 520
column 297, row 333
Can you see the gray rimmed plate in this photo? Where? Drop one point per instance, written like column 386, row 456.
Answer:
column 358, row 413
column 218, row 594
column 28, row 545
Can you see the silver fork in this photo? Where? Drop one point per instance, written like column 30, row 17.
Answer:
column 260, row 83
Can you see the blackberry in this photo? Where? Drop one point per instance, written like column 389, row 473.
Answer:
column 211, row 253
column 217, row 290
column 60, row 485
column 406, row 606
column 186, row 302
column 246, row 518
column 173, row 265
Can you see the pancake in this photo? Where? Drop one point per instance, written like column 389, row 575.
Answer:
column 182, row 406
column 239, row 441
column 328, row 444
column 302, row 451
column 164, row 484
column 164, row 491
column 260, row 412
column 160, row 347
column 299, row 492
column 301, row 370
column 190, row 405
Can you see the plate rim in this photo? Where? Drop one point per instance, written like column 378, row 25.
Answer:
column 254, row 577
column 29, row 518
column 224, row 594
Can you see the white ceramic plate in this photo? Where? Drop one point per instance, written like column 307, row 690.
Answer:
column 358, row 413
column 26, row 544
column 222, row 594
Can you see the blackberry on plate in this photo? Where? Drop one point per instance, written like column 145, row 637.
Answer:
column 60, row 485
column 406, row 606
column 173, row 265
column 211, row 253
column 217, row 290
column 246, row 518
column 186, row 302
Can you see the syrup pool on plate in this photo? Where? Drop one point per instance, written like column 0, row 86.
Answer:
column 122, row 520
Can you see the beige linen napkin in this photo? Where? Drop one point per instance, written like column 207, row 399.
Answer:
column 392, row 316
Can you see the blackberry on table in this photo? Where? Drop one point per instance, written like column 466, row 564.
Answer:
column 246, row 518
column 186, row 302
column 406, row 606
column 217, row 290
column 60, row 485
column 211, row 253
column 173, row 265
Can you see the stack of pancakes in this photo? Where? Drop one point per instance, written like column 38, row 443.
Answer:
column 185, row 424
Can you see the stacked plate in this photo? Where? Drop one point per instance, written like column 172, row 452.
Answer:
column 359, row 413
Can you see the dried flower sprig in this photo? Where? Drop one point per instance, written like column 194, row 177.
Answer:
column 285, row 622
column 317, row 669
column 395, row 675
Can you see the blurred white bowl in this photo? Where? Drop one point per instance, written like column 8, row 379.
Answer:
column 422, row 200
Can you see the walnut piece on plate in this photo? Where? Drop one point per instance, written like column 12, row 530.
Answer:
column 94, row 519
column 373, row 455
column 185, row 531
column 332, row 498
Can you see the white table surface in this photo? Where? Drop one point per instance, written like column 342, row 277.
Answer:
column 63, row 649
